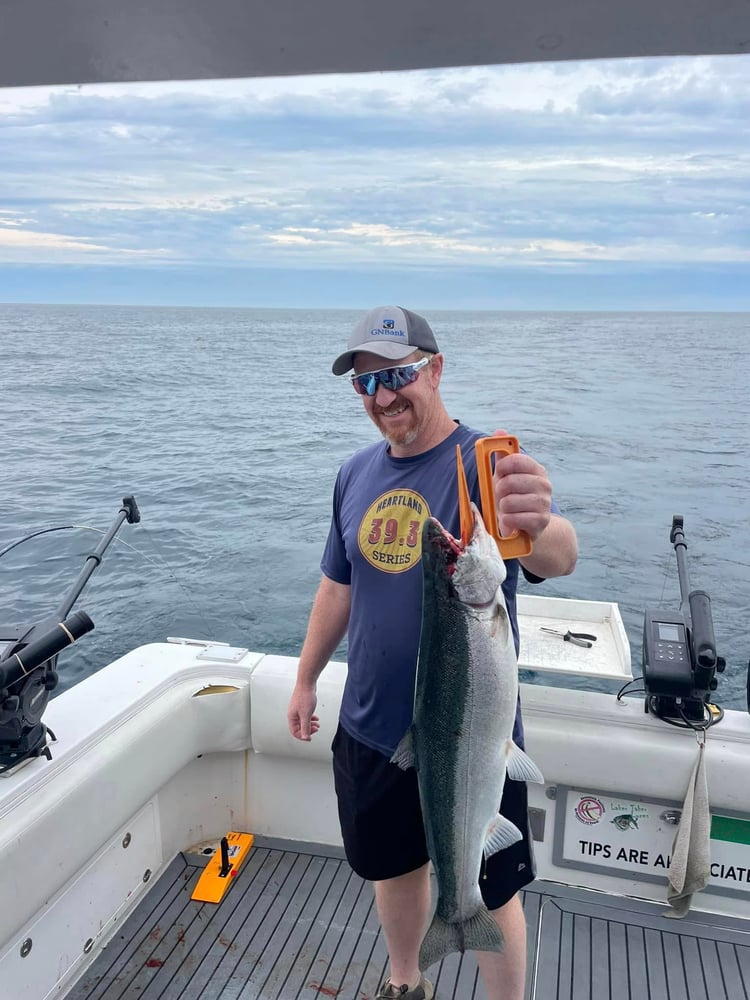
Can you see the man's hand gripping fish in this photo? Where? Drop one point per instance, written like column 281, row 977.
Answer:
column 460, row 740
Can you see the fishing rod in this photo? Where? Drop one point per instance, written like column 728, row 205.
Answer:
column 28, row 662
column 680, row 662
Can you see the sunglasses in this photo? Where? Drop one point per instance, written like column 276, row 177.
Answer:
column 390, row 378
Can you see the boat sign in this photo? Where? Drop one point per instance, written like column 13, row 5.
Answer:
column 617, row 834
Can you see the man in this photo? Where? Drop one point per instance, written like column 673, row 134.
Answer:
column 372, row 588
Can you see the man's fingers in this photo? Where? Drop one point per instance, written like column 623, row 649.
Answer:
column 306, row 728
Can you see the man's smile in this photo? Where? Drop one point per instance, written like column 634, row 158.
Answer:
column 394, row 410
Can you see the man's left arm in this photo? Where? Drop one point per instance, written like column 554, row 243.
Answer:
column 523, row 494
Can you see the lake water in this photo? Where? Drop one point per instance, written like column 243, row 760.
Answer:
column 228, row 428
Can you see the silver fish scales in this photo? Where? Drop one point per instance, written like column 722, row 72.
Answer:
column 460, row 739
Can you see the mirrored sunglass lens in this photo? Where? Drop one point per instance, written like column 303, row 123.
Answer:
column 391, row 378
column 404, row 376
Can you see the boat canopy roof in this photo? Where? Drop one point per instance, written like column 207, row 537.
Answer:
column 96, row 41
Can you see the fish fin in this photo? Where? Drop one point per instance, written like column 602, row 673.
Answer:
column 520, row 767
column 478, row 933
column 404, row 754
column 501, row 833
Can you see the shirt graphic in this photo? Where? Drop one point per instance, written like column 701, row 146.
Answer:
column 390, row 533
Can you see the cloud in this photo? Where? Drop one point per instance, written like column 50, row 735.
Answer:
column 556, row 165
column 420, row 245
column 24, row 239
column 18, row 243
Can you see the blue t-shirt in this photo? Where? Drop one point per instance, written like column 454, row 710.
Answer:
column 374, row 544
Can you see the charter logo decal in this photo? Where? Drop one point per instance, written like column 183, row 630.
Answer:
column 589, row 810
column 390, row 534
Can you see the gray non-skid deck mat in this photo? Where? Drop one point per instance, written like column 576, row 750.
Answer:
column 299, row 925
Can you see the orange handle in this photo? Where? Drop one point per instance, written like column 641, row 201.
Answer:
column 511, row 546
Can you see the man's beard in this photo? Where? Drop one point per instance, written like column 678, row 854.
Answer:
column 403, row 434
column 403, row 437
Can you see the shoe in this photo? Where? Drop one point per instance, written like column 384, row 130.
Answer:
column 423, row 991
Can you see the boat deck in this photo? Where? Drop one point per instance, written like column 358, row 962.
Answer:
column 301, row 924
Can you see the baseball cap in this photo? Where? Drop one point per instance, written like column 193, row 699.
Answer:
column 389, row 331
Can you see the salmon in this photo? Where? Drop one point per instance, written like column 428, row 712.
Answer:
column 460, row 739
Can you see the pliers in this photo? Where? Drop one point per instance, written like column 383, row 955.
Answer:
column 577, row 638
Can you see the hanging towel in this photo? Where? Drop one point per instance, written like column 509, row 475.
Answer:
column 690, row 868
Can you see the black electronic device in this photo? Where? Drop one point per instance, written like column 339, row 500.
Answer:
column 666, row 651
column 679, row 651
column 28, row 661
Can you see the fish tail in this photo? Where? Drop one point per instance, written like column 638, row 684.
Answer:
column 478, row 933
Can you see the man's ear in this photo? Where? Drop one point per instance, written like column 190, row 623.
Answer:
column 436, row 368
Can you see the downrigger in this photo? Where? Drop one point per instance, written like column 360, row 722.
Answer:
column 28, row 661
column 680, row 662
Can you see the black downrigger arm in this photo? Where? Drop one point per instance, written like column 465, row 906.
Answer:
column 128, row 512
column 27, row 664
column 698, row 617
column 679, row 650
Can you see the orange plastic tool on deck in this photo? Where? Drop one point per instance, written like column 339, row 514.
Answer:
column 511, row 546
column 222, row 869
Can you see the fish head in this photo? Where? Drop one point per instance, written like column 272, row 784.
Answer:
column 625, row 821
column 472, row 573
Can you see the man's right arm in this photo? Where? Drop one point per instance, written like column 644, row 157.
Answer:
column 328, row 623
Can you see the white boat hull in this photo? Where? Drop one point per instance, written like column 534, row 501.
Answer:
column 168, row 748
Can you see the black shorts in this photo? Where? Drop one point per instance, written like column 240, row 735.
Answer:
column 382, row 829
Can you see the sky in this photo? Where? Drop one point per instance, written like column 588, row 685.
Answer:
column 617, row 184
